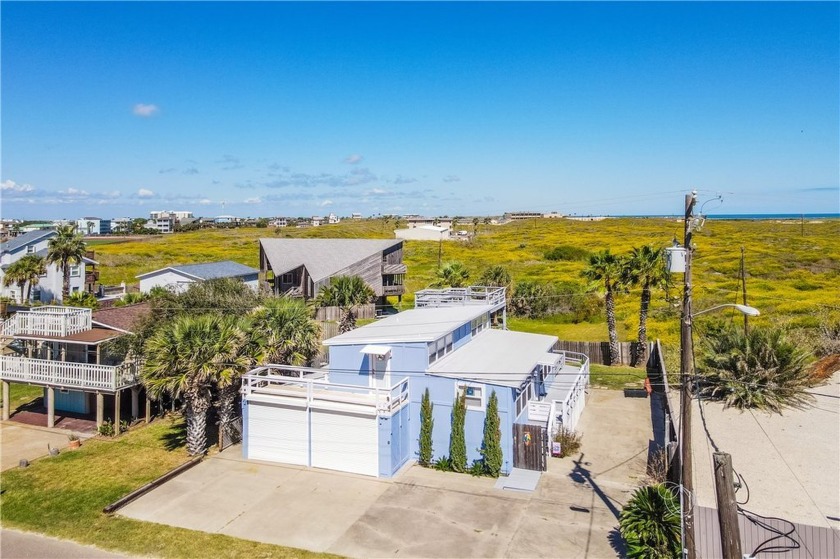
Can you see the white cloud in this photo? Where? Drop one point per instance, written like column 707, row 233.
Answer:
column 326, row 203
column 205, row 201
column 256, row 200
column 10, row 186
column 144, row 110
column 353, row 159
column 145, row 193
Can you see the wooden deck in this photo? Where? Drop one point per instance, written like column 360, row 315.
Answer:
column 61, row 374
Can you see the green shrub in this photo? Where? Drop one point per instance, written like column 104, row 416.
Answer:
column 569, row 440
column 491, row 448
column 529, row 299
column 567, row 252
column 427, row 425
column 477, row 469
column 650, row 524
column 106, row 429
column 443, row 464
column 763, row 369
column 457, row 441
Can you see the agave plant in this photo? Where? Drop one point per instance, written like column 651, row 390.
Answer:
column 762, row 369
column 650, row 523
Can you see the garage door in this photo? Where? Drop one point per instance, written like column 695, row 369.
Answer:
column 277, row 433
column 345, row 441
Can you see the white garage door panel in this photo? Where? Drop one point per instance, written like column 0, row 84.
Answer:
column 346, row 442
column 277, row 433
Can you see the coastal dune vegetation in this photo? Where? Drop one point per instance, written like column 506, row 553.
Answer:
column 792, row 266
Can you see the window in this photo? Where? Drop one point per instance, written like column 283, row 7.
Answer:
column 75, row 271
column 288, row 278
column 30, row 249
column 432, row 352
column 473, row 395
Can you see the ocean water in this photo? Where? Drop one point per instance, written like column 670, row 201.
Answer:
column 753, row 216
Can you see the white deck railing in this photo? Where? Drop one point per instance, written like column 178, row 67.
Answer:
column 312, row 387
column 566, row 412
column 457, row 296
column 48, row 322
column 68, row 375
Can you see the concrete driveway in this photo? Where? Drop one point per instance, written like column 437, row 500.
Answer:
column 24, row 441
column 421, row 512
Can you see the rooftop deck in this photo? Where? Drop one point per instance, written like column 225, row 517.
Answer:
column 310, row 387
column 457, row 296
column 50, row 321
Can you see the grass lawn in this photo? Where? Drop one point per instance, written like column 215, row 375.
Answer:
column 64, row 496
column 20, row 394
column 617, row 377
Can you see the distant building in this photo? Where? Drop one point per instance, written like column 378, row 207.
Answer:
column 517, row 216
column 316, row 221
column 121, row 225
column 420, row 221
column 424, row 233
column 332, row 219
column 278, row 222
column 356, row 216
column 93, row 226
column 178, row 278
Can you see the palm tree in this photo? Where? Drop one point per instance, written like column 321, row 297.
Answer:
column 452, row 274
column 25, row 272
column 606, row 268
column 286, row 332
column 238, row 351
column 65, row 249
column 762, row 369
column 345, row 292
column 646, row 267
column 82, row 299
column 650, row 523
column 475, row 226
column 184, row 359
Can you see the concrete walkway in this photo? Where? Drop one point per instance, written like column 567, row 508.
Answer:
column 422, row 512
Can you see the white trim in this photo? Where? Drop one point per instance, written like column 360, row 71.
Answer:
column 472, row 386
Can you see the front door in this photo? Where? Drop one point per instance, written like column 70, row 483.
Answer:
column 380, row 374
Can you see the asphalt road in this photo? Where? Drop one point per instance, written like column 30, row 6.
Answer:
column 25, row 545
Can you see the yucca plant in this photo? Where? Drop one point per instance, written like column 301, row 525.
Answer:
column 762, row 369
column 650, row 523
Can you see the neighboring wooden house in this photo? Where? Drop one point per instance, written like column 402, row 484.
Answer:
column 362, row 413
column 49, row 286
column 301, row 267
column 178, row 278
column 64, row 349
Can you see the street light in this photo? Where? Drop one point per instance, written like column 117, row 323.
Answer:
column 743, row 309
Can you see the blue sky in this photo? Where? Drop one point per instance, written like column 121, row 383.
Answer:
column 115, row 109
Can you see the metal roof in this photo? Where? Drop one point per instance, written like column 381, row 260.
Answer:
column 416, row 325
column 500, row 357
column 210, row 270
column 322, row 258
column 25, row 239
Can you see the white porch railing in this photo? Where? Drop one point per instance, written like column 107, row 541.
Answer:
column 566, row 413
column 64, row 374
column 48, row 321
column 304, row 384
column 456, row 296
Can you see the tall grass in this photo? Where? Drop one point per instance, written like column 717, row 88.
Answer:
column 791, row 276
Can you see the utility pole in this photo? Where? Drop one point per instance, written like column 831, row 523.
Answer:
column 730, row 537
column 744, row 288
column 686, row 373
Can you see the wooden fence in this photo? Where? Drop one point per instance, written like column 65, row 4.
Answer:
column 334, row 313
column 599, row 352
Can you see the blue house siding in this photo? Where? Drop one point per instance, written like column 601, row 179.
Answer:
column 442, row 394
column 348, row 365
column 70, row 400
column 394, row 446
